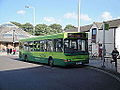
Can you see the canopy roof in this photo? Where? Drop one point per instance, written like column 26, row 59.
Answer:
column 11, row 33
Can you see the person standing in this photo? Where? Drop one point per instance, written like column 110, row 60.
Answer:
column 14, row 51
column 8, row 50
column 114, row 54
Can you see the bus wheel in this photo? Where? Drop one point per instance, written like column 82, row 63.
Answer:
column 25, row 58
column 50, row 61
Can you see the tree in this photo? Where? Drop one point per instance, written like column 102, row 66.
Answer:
column 17, row 24
column 27, row 27
column 56, row 28
column 69, row 26
column 41, row 29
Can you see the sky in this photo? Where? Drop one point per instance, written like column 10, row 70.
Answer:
column 62, row 12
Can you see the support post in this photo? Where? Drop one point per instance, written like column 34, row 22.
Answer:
column 103, row 53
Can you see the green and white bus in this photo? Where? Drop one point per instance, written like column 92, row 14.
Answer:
column 60, row 49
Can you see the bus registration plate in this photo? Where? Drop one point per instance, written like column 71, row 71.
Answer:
column 78, row 62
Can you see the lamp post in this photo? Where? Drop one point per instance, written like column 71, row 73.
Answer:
column 103, row 53
column 33, row 17
column 79, row 2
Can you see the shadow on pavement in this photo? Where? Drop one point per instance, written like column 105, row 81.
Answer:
column 47, row 78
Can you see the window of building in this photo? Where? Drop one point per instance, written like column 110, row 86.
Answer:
column 20, row 36
column 7, row 35
column 94, row 33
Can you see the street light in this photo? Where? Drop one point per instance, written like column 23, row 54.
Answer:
column 79, row 2
column 33, row 17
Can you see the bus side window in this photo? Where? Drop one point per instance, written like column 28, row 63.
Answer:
column 45, row 45
column 31, row 46
column 66, row 45
column 59, row 45
column 37, row 46
column 49, row 45
column 41, row 46
column 25, row 47
column 83, row 45
column 79, row 45
column 34, row 45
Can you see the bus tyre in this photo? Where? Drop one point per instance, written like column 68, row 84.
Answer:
column 51, row 61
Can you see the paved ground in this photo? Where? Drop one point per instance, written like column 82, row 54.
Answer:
column 18, row 75
column 96, row 62
column 107, row 64
column 5, row 54
column 12, row 63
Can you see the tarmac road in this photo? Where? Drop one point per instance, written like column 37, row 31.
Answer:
column 19, row 75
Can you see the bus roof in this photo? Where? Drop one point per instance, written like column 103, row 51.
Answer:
column 54, row 36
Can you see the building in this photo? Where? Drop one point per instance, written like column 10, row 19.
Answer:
column 95, row 37
column 10, row 35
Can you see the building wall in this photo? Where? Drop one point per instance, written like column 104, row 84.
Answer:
column 10, row 33
column 109, row 41
column 118, row 39
column 93, row 47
